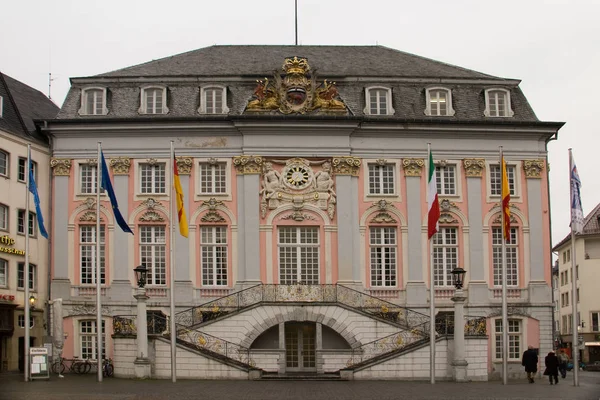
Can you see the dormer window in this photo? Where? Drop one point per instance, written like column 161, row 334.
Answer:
column 439, row 102
column 497, row 103
column 93, row 101
column 153, row 100
column 378, row 101
column 213, row 100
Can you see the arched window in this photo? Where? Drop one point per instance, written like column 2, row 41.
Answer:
column 438, row 102
column 93, row 101
column 378, row 101
column 153, row 100
column 213, row 100
column 497, row 103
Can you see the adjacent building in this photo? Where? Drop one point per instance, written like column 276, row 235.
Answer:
column 303, row 170
column 20, row 106
column 587, row 258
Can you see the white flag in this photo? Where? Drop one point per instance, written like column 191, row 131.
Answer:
column 576, row 209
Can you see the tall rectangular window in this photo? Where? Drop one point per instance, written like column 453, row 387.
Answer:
column 88, row 340
column 378, row 101
column 595, row 321
column 381, row 179
column 213, row 178
column 94, row 102
column 214, row 100
column 3, row 163
column 152, row 178
column 564, row 325
column 496, row 179
column 298, row 255
column 446, row 179
column 21, row 276
column 153, row 100
column 438, row 102
column 497, row 103
column 3, row 217
column 512, row 257
column 153, row 251
column 445, row 256
column 22, row 170
column 213, row 247
column 88, row 179
column 514, row 339
column 3, row 273
column 21, row 223
column 87, row 255
column 382, row 249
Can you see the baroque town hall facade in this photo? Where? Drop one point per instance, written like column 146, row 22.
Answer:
column 303, row 169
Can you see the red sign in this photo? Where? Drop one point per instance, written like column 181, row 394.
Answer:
column 9, row 297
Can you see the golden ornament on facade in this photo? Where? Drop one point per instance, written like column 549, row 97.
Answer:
column 346, row 165
column 413, row 166
column 120, row 165
column 533, row 168
column 248, row 165
column 60, row 166
column 474, row 167
column 184, row 165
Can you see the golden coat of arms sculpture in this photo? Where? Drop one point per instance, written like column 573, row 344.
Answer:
column 298, row 92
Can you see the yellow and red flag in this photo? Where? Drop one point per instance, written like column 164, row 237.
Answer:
column 183, row 225
column 505, row 202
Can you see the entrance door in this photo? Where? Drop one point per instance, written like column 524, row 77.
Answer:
column 22, row 351
column 300, row 347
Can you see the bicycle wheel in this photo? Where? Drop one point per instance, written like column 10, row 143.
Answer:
column 87, row 367
column 58, row 368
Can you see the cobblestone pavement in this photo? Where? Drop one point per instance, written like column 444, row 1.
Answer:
column 85, row 387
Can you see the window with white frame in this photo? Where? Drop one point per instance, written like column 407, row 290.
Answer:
column 445, row 176
column 87, row 254
column 3, row 273
column 21, row 321
column 595, row 321
column 497, row 103
column 88, row 340
column 88, row 179
column 382, row 250
column 378, row 101
column 515, row 338
column 153, row 101
column 213, row 100
column 3, row 217
column 445, row 255
column 153, row 250
column 22, row 170
column 439, row 102
column 4, row 163
column 213, row 249
column 381, row 179
column 93, row 101
column 21, row 223
column 512, row 257
column 564, row 324
column 298, row 255
column 21, row 276
column 496, row 179
column 213, row 178
column 152, row 178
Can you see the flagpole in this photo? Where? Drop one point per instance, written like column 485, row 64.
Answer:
column 431, row 290
column 575, row 322
column 26, row 266
column 98, row 266
column 172, row 273
column 504, row 277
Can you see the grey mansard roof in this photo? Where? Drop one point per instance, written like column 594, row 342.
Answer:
column 354, row 68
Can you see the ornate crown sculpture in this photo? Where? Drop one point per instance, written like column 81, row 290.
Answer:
column 297, row 92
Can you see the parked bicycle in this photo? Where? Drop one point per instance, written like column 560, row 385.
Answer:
column 77, row 365
column 107, row 367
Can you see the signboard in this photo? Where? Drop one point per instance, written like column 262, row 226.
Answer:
column 39, row 368
column 8, row 241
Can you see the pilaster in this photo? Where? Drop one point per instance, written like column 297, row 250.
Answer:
column 533, row 174
column 183, row 283
column 61, row 171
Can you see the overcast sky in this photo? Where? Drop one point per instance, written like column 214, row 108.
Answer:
column 552, row 46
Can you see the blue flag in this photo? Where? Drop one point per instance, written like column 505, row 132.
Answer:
column 577, row 217
column 107, row 185
column 36, row 200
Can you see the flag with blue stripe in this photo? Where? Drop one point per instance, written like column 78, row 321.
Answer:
column 107, row 185
column 36, row 200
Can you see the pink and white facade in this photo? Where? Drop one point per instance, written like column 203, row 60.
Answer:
column 299, row 183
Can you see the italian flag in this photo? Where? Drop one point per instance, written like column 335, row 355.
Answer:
column 433, row 205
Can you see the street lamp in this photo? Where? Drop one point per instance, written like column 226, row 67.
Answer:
column 140, row 275
column 458, row 276
column 32, row 301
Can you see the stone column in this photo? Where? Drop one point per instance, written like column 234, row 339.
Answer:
column 459, row 363
column 61, row 171
column 416, row 291
column 142, row 363
column 183, row 284
column 319, row 347
column 282, row 361
column 120, row 286
column 539, row 290
column 478, row 286
column 248, row 188
column 346, row 171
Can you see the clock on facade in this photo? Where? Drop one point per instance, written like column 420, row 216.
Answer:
column 297, row 176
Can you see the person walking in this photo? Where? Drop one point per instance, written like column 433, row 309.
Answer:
column 551, row 362
column 530, row 362
column 563, row 360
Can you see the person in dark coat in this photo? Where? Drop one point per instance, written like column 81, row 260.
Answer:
column 530, row 362
column 551, row 362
